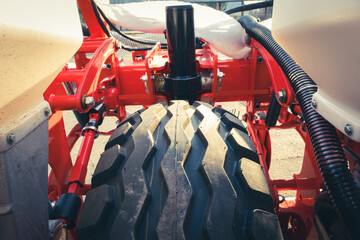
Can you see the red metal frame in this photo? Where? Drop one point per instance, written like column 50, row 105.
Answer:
column 245, row 80
column 59, row 157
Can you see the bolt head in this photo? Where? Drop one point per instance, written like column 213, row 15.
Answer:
column 260, row 59
column 47, row 112
column 139, row 58
column 247, row 40
column 314, row 103
column 11, row 138
column 144, row 78
column 220, row 74
column 245, row 117
column 280, row 96
column 118, row 45
column 89, row 101
column 348, row 129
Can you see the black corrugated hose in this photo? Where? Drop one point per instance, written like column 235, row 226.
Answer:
column 326, row 144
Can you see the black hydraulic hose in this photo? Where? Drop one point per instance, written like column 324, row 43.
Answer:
column 326, row 144
column 97, row 10
column 115, row 29
column 249, row 7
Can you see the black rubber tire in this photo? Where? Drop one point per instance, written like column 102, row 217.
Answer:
column 179, row 172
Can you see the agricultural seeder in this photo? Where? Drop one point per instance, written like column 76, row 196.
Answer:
column 182, row 167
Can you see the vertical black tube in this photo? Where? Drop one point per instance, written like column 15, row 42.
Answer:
column 182, row 80
column 181, row 40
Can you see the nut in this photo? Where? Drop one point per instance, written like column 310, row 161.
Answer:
column 281, row 95
column 89, row 101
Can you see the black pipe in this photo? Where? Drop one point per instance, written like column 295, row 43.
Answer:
column 249, row 7
column 181, row 40
column 183, row 78
column 273, row 111
column 326, row 144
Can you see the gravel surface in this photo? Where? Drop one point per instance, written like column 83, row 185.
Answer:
column 287, row 145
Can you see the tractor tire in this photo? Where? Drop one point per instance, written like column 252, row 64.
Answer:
column 179, row 172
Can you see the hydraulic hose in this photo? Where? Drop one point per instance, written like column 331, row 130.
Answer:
column 113, row 28
column 98, row 12
column 325, row 141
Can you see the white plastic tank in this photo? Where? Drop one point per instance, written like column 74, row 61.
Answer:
column 37, row 38
column 323, row 38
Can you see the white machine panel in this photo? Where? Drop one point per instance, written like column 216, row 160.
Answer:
column 323, row 38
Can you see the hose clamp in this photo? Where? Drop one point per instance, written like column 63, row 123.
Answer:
column 92, row 125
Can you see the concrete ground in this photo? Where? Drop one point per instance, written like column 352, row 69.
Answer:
column 287, row 146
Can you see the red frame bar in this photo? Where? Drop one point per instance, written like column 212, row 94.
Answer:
column 90, row 18
column 278, row 78
column 59, row 156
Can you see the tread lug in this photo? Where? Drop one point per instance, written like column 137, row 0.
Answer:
column 253, row 182
column 239, row 141
column 120, row 135
column 233, row 122
column 108, row 165
column 96, row 210
column 263, row 226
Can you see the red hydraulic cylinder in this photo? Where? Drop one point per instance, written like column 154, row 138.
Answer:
column 78, row 172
